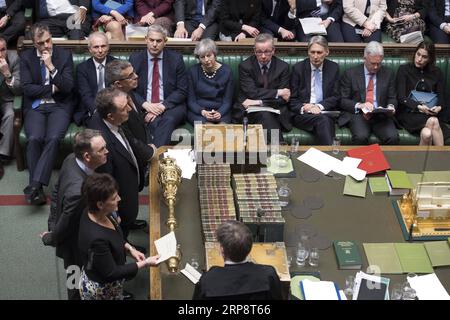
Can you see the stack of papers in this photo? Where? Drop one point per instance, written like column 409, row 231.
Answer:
column 428, row 287
column 319, row 290
column 313, row 26
column 166, row 247
column 191, row 273
column 184, row 159
column 252, row 109
column 370, row 287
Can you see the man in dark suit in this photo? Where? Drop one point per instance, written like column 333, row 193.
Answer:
column 9, row 87
column 197, row 19
column 330, row 11
column 439, row 20
column 275, row 19
column 239, row 279
column 264, row 81
column 368, row 99
column 240, row 19
column 68, row 203
column 91, row 76
column 314, row 84
column 48, row 84
column 123, row 162
column 71, row 18
column 162, row 81
column 12, row 19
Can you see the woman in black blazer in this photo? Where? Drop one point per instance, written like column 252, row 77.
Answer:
column 422, row 74
column 102, row 245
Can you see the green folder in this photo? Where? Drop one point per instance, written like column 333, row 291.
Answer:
column 383, row 257
column 355, row 188
column 436, row 176
column 438, row 252
column 413, row 257
column 378, row 185
column 399, row 179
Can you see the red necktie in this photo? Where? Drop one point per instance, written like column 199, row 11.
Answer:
column 369, row 95
column 155, row 81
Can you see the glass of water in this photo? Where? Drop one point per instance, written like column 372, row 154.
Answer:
column 336, row 146
column 284, row 193
column 302, row 255
column 314, row 257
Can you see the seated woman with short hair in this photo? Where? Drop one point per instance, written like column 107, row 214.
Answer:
column 113, row 21
column 210, row 86
column 421, row 74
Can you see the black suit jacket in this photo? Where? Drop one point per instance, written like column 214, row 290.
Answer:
column 246, row 281
column 280, row 16
column 353, row 90
column 31, row 78
column 66, row 208
column 87, row 89
column 301, row 85
column 186, row 9
column 305, row 7
column 252, row 86
column 249, row 11
column 12, row 7
column 174, row 77
column 436, row 12
column 121, row 166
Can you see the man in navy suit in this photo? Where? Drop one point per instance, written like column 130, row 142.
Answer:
column 439, row 20
column 91, row 76
column 163, row 83
column 314, row 85
column 47, row 81
column 123, row 162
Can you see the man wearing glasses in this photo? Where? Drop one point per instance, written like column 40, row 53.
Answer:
column 91, row 76
column 264, row 82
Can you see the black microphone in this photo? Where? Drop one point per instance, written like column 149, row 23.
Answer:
column 245, row 126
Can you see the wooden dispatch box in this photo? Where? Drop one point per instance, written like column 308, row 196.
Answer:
column 273, row 254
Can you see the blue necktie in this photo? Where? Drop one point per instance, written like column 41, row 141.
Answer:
column 318, row 85
column 36, row 102
column 199, row 11
column 43, row 12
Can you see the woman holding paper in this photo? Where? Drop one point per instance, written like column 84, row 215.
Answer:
column 102, row 245
column 112, row 16
column 210, row 86
column 421, row 74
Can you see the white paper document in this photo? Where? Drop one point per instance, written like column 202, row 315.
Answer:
column 313, row 26
column 319, row 290
column 251, row 109
column 428, row 287
column 184, row 159
column 319, row 160
column 166, row 247
column 191, row 273
column 135, row 31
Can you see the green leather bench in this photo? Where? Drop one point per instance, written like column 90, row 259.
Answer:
column 304, row 138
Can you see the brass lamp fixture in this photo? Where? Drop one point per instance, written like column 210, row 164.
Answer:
column 169, row 178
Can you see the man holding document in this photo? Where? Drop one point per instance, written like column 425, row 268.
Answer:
column 368, row 99
column 314, row 83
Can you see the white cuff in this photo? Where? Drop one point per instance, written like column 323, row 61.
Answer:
column 180, row 23
column 331, row 18
column 201, row 25
column 320, row 106
column 442, row 25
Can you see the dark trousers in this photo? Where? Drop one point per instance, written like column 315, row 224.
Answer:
column 383, row 127
column 321, row 125
column 334, row 33
column 437, row 35
column 269, row 121
column 44, row 127
column 349, row 34
column 13, row 28
column 211, row 31
column 160, row 130
column 58, row 27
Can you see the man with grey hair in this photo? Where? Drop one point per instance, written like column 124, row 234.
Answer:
column 368, row 99
column 91, row 76
column 9, row 87
column 264, row 81
column 162, row 82
column 314, row 84
column 89, row 152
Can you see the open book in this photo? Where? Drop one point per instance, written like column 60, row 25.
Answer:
column 312, row 26
column 251, row 109
column 191, row 273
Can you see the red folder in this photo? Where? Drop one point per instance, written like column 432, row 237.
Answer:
column 373, row 159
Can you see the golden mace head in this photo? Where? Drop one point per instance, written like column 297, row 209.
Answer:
column 169, row 177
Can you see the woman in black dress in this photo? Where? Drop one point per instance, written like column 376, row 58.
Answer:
column 415, row 117
column 102, row 245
